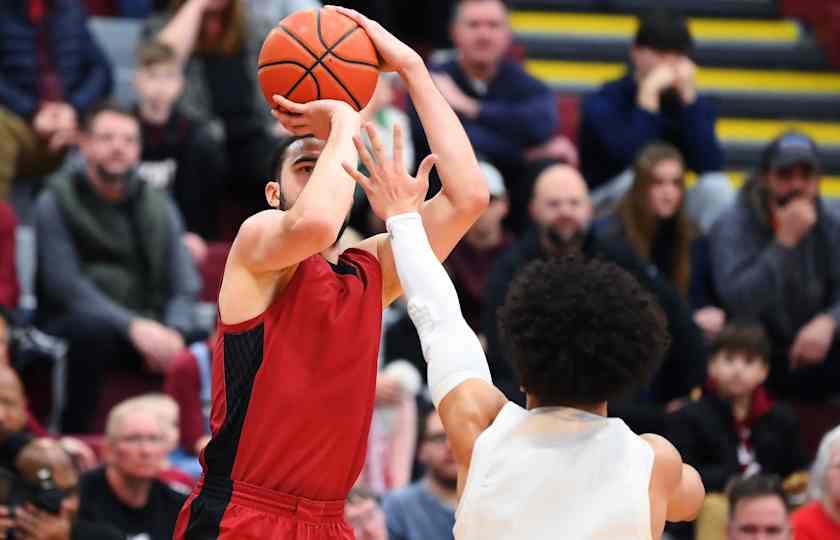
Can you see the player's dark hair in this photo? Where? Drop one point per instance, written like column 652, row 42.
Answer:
column 581, row 331
column 757, row 485
column 665, row 31
column 742, row 337
column 107, row 105
column 279, row 156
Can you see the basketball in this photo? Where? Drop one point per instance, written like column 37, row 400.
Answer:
column 318, row 54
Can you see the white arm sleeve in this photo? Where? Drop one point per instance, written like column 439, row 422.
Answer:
column 451, row 349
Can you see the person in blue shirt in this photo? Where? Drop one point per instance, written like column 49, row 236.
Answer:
column 657, row 100
column 425, row 510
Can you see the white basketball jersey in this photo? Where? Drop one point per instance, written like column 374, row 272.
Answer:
column 556, row 473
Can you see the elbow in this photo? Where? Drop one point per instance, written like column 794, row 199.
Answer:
column 476, row 199
column 320, row 232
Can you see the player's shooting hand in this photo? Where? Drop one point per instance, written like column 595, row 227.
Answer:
column 313, row 118
column 394, row 55
column 389, row 188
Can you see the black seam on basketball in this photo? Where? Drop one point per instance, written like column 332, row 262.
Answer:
column 297, row 83
column 337, row 43
column 280, row 62
column 318, row 60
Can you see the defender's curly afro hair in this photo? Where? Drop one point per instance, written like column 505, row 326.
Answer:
column 581, row 331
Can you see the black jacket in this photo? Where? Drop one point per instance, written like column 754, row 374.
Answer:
column 704, row 433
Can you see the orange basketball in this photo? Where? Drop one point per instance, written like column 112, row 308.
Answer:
column 318, row 54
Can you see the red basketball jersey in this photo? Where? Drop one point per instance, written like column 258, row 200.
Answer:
column 293, row 388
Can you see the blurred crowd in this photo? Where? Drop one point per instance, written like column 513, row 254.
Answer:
column 116, row 216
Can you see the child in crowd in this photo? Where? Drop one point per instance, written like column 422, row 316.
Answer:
column 737, row 428
column 179, row 152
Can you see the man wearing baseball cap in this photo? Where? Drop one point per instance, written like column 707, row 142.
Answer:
column 775, row 259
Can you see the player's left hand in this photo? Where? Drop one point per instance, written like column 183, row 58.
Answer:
column 389, row 188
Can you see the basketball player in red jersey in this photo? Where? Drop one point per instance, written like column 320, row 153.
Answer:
column 294, row 367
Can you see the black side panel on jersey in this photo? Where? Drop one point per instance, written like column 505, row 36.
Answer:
column 243, row 357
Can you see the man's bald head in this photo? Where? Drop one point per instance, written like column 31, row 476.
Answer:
column 560, row 201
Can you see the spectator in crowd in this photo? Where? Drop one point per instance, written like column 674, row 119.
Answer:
column 219, row 42
column 177, row 473
column 561, row 209
column 179, row 153
column 188, row 383
column 53, row 72
column 123, row 293
column 9, row 286
column 270, row 12
column 820, row 518
column 470, row 262
column 14, row 432
column 363, row 512
column 775, row 259
column 126, row 493
column 425, row 510
column 658, row 100
column 651, row 220
column 758, row 508
column 5, row 338
column 45, row 469
column 392, row 439
column 736, row 428
column 505, row 111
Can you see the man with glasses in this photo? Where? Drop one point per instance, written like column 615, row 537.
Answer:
column 775, row 260
column 126, row 492
column 425, row 510
column 758, row 509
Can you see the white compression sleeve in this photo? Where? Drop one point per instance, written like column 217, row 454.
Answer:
column 451, row 349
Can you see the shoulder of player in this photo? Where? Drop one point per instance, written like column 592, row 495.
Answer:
column 667, row 462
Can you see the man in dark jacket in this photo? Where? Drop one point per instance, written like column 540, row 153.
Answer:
column 775, row 259
column 114, row 275
column 562, row 212
column 510, row 117
column 658, row 100
column 53, row 72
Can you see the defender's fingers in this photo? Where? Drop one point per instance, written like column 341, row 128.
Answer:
column 399, row 149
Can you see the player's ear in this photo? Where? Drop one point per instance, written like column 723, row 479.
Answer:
column 272, row 194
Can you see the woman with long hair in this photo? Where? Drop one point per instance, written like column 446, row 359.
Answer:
column 652, row 221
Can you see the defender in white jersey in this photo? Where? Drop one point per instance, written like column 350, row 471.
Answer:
column 581, row 333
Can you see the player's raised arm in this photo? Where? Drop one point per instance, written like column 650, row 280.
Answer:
column 464, row 195
column 458, row 375
column 276, row 239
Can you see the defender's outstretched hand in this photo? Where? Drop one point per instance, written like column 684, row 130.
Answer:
column 394, row 54
column 389, row 188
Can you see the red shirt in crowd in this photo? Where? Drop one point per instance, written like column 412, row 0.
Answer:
column 811, row 522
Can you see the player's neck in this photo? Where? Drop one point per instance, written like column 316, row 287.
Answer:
column 594, row 408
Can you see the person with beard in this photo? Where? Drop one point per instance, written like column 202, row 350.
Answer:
column 775, row 260
column 295, row 362
column 562, row 212
column 425, row 510
column 114, row 277
column 658, row 101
